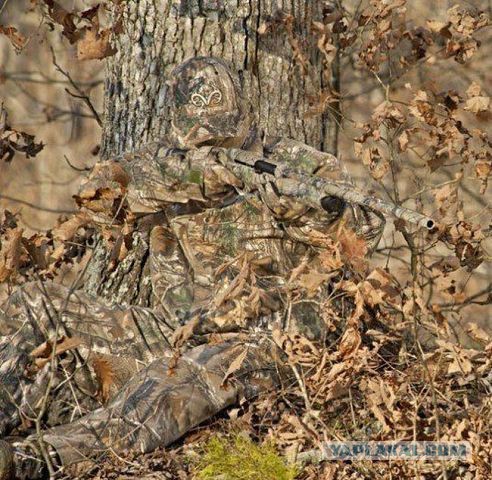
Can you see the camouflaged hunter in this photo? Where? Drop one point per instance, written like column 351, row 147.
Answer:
column 224, row 259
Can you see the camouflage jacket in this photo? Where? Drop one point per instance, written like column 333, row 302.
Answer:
column 226, row 247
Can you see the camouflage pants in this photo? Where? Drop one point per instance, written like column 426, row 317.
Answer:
column 157, row 396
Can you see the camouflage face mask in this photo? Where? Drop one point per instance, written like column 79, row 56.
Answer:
column 206, row 103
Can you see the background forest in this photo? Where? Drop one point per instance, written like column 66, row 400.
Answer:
column 399, row 90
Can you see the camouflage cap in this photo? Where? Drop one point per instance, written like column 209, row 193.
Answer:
column 206, row 104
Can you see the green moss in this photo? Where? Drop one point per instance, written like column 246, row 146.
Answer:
column 241, row 459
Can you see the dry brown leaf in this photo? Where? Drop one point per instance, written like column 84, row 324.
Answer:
column 237, row 285
column 354, row 291
column 65, row 19
column 312, row 280
column 236, row 315
column 17, row 40
column 372, row 296
column 105, row 375
column 12, row 141
column 459, row 357
column 331, row 258
column 374, row 160
column 378, row 413
column 350, row 342
column 39, row 250
column 95, row 45
column 10, row 254
column 67, row 230
column 298, row 348
column 235, row 365
column 42, row 354
column 336, row 370
column 460, row 364
column 388, row 112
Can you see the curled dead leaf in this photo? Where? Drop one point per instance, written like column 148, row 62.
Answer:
column 12, row 141
column 67, row 230
column 375, row 161
column 350, row 342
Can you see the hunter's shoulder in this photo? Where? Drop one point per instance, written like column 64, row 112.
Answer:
column 298, row 154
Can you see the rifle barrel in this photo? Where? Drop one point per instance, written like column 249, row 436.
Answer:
column 296, row 183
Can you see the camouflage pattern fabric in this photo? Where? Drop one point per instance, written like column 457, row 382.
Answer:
column 225, row 259
column 127, row 339
column 164, row 400
column 207, row 104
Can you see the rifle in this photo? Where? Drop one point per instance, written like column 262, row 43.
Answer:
column 289, row 181
column 314, row 190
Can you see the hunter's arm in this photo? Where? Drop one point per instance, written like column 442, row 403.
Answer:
column 155, row 177
column 161, row 175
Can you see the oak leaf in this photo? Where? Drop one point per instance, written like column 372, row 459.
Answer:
column 350, row 342
column 95, row 45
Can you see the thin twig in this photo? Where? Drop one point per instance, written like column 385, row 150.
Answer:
column 4, row 4
column 35, row 207
column 77, row 169
column 80, row 93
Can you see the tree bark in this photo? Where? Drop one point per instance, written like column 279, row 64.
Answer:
column 251, row 36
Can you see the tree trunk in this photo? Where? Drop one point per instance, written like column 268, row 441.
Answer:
column 254, row 36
